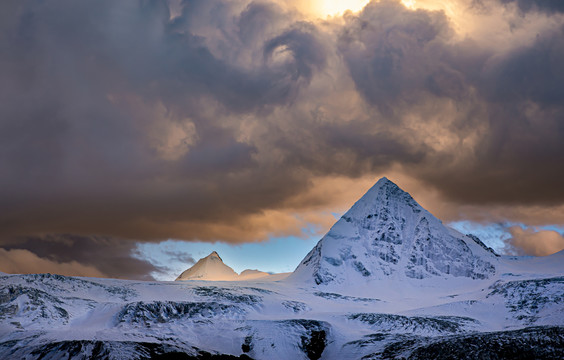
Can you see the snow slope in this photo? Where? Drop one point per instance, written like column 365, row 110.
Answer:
column 388, row 281
column 252, row 274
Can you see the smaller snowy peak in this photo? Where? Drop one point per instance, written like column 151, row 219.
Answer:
column 252, row 274
column 212, row 268
column 209, row 268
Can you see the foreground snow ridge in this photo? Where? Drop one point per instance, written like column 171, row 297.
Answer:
column 388, row 281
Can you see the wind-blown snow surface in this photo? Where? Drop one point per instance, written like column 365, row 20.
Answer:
column 397, row 284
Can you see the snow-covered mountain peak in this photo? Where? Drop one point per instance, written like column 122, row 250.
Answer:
column 210, row 267
column 384, row 188
column 252, row 274
column 387, row 234
column 383, row 196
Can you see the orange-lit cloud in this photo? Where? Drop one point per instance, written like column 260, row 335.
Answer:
column 538, row 243
column 26, row 262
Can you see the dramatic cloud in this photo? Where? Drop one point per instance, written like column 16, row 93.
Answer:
column 532, row 242
column 548, row 6
column 220, row 120
column 492, row 116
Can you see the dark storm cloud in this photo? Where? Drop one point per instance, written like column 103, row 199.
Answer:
column 210, row 120
column 549, row 6
column 190, row 68
column 523, row 94
column 528, row 73
column 77, row 138
column 392, row 52
column 400, row 58
column 353, row 149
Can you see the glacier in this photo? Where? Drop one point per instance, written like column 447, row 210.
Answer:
column 387, row 281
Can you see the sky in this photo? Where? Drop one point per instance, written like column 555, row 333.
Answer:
column 138, row 136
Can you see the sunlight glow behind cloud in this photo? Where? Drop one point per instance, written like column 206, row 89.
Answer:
column 332, row 8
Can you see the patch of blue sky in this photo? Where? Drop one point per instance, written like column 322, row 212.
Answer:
column 276, row 255
column 493, row 235
column 496, row 234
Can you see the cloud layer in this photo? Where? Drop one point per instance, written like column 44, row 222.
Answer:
column 216, row 120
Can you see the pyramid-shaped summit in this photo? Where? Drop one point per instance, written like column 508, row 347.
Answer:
column 210, row 267
column 388, row 235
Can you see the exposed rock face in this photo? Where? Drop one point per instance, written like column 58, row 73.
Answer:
column 388, row 234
